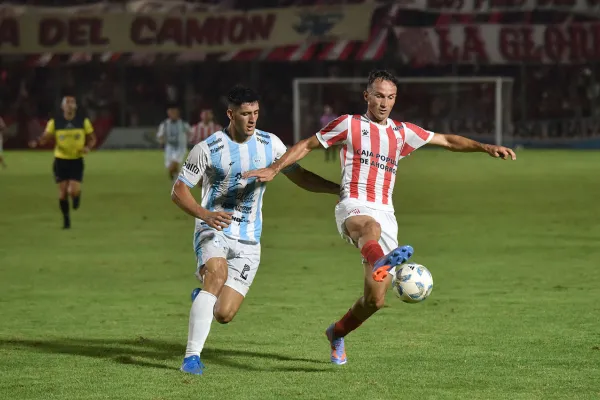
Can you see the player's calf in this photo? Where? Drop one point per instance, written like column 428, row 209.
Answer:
column 373, row 302
column 75, row 193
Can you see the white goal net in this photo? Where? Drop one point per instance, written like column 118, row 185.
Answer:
column 476, row 107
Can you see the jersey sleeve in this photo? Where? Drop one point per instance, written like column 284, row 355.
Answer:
column 414, row 137
column 87, row 126
column 279, row 150
column 335, row 132
column 161, row 131
column 50, row 127
column 194, row 167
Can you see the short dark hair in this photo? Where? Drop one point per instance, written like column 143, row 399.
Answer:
column 239, row 95
column 382, row 74
column 172, row 105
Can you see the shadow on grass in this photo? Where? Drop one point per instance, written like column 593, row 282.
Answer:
column 149, row 353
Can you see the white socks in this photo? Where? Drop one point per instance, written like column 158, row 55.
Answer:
column 201, row 316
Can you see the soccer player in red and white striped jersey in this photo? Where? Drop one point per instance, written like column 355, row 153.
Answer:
column 372, row 146
column 204, row 128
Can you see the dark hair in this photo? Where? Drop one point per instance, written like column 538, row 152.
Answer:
column 172, row 105
column 239, row 95
column 383, row 75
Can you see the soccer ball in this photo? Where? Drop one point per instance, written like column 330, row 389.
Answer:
column 413, row 283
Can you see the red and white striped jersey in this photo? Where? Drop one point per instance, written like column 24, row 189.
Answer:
column 370, row 153
column 201, row 131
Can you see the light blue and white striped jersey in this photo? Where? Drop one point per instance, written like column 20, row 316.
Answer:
column 174, row 132
column 219, row 162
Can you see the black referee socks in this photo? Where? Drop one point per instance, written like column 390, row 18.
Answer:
column 76, row 200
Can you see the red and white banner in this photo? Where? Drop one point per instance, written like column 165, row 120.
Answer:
column 500, row 44
column 198, row 31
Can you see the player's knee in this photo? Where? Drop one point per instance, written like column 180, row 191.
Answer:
column 224, row 316
column 371, row 228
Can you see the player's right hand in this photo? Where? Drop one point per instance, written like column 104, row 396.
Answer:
column 262, row 174
column 33, row 144
column 218, row 219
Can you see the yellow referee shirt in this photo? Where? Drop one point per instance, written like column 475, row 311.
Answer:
column 69, row 136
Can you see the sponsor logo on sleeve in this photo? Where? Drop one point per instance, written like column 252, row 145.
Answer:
column 192, row 168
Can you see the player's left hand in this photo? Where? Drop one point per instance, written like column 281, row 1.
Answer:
column 261, row 175
column 500, row 152
column 86, row 150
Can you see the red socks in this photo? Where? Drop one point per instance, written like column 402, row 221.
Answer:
column 372, row 252
column 346, row 324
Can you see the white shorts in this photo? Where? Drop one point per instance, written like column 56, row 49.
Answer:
column 173, row 154
column 242, row 258
column 389, row 226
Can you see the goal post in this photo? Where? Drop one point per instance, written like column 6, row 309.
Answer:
column 475, row 107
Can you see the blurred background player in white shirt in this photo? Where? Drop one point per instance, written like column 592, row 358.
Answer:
column 2, row 129
column 204, row 128
column 325, row 119
column 173, row 134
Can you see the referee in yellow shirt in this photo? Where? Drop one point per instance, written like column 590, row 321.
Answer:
column 74, row 137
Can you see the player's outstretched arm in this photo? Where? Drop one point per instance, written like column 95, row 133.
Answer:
column 312, row 182
column 294, row 154
column 463, row 144
column 182, row 196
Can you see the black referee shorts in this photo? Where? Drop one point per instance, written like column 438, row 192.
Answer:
column 68, row 170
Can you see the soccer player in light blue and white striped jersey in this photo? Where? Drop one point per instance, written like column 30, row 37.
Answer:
column 173, row 134
column 229, row 219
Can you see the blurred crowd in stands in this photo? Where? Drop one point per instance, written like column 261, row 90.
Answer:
column 138, row 96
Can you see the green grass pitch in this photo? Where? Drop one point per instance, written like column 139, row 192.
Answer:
column 100, row 312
